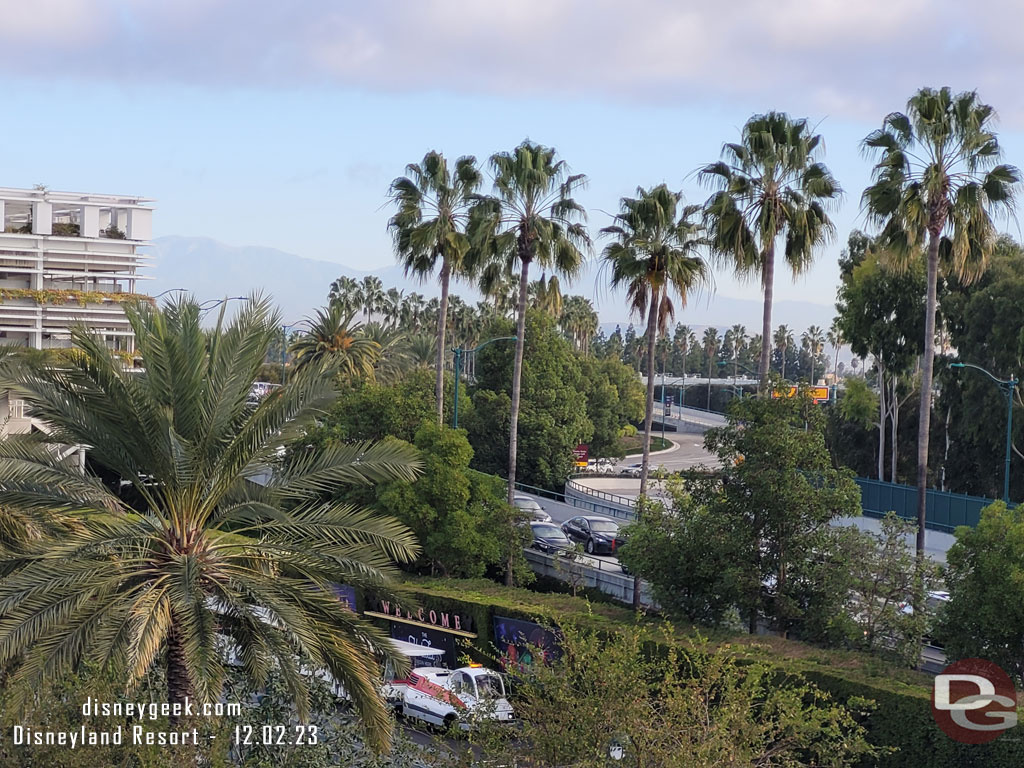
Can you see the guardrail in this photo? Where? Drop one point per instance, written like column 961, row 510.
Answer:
column 583, row 572
column 599, row 502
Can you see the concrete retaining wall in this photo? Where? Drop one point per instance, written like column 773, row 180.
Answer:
column 613, row 583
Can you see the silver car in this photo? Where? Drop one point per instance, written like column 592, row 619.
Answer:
column 530, row 506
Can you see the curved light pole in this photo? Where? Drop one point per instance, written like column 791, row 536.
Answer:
column 170, row 290
column 1007, row 386
column 459, row 352
column 209, row 304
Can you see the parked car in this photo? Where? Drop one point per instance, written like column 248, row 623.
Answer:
column 548, row 537
column 633, row 470
column 598, row 535
column 531, row 507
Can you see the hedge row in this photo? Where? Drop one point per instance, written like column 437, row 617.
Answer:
column 901, row 718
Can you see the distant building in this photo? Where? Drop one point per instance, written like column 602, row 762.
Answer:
column 67, row 259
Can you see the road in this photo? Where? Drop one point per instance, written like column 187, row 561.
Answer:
column 560, row 512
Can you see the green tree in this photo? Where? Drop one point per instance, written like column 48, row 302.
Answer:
column 179, row 545
column 695, row 707
column 460, row 517
column 881, row 313
column 614, row 398
column 984, row 572
column 984, row 319
column 813, row 340
column 936, row 185
column 533, row 217
column 554, row 414
column 780, row 489
column 653, row 254
column 711, row 342
column 783, row 339
column 770, row 185
column 429, row 229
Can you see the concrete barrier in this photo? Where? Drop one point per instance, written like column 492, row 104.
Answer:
column 613, row 583
column 599, row 502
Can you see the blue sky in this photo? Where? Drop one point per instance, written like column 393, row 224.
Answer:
column 282, row 125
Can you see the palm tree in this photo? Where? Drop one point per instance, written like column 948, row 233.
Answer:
column 332, row 339
column 346, row 292
column 579, row 322
column 835, row 338
column 372, row 291
column 422, row 349
column 768, row 186
column 936, row 185
column 183, row 548
column 711, row 343
column 653, row 255
column 411, row 316
column 737, row 339
column 429, row 229
column 814, row 342
column 783, row 339
column 532, row 217
column 546, row 295
column 391, row 306
column 392, row 355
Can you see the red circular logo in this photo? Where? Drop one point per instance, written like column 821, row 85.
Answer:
column 974, row 701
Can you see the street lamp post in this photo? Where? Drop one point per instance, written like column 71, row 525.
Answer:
column 284, row 346
column 459, row 352
column 1008, row 386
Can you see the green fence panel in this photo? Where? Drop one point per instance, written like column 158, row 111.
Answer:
column 945, row 511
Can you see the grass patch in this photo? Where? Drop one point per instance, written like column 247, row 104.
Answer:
column 635, row 444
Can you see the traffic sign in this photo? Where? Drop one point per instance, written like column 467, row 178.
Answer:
column 818, row 394
column 581, row 454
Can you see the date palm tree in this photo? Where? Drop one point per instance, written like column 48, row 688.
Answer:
column 769, row 186
column 783, row 339
column 169, row 545
column 711, row 343
column 653, row 255
column 531, row 218
column 936, row 186
column 332, row 339
column 429, row 231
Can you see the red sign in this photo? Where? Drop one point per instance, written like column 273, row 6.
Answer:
column 581, row 453
column 974, row 701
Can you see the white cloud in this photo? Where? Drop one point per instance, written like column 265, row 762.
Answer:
column 856, row 59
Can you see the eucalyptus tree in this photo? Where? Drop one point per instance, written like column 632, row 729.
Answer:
column 936, row 186
column 783, row 339
column 711, row 343
column 531, row 217
column 654, row 254
column 813, row 340
column 770, row 186
column 331, row 339
column 169, row 544
column 429, row 231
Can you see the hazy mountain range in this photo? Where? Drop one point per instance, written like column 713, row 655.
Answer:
column 212, row 270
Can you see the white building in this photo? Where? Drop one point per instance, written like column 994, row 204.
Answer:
column 67, row 259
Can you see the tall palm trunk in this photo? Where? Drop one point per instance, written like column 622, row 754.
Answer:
column 179, row 687
column 442, row 324
column 927, row 370
column 782, row 356
column 645, row 465
column 652, row 330
column 517, row 370
column 768, row 284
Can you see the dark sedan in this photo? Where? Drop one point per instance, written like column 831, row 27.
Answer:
column 598, row 535
column 549, row 538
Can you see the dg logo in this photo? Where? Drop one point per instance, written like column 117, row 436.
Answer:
column 974, row 701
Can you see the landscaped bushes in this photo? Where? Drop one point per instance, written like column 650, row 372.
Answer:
column 901, row 716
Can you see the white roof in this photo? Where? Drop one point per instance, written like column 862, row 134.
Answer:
column 412, row 650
